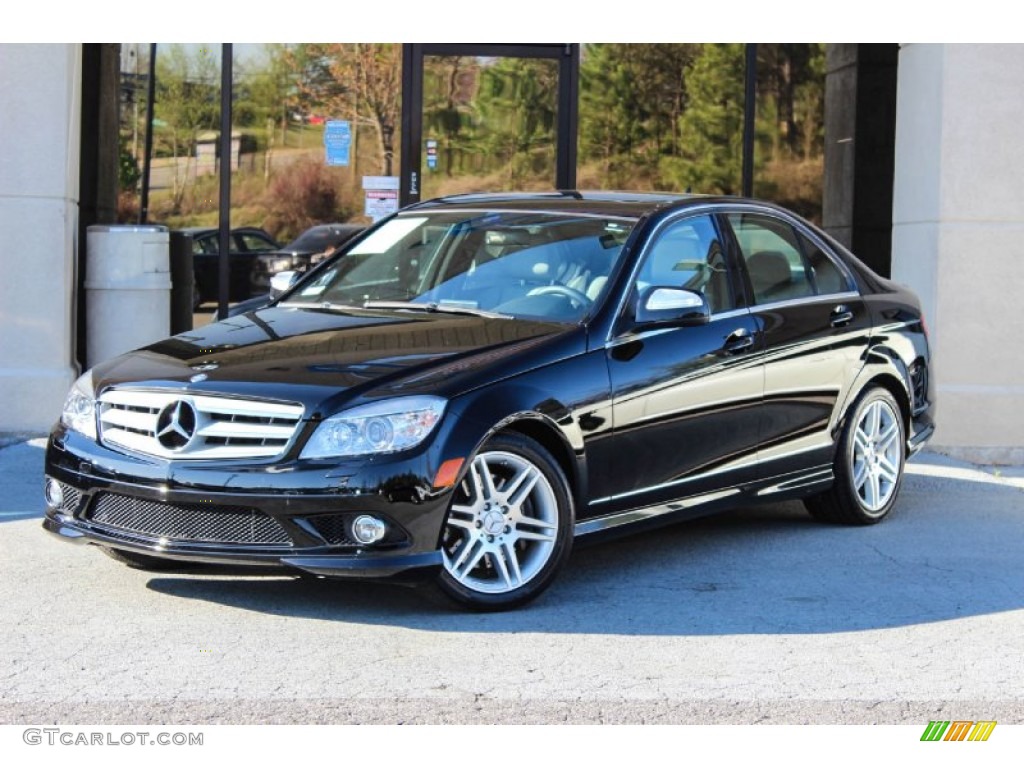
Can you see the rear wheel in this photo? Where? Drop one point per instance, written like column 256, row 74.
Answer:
column 868, row 465
column 509, row 527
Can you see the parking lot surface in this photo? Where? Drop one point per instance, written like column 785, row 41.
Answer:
column 753, row 616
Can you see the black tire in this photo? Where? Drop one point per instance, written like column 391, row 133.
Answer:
column 140, row 562
column 502, row 551
column 865, row 499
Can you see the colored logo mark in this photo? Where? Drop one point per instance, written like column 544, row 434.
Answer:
column 958, row 730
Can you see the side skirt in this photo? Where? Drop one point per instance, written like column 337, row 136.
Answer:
column 793, row 485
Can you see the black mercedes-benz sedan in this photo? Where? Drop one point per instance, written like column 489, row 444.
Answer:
column 479, row 380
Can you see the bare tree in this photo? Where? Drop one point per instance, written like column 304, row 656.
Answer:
column 358, row 80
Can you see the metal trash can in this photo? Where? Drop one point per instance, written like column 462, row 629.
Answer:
column 127, row 288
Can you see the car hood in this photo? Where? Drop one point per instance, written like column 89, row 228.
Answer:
column 326, row 359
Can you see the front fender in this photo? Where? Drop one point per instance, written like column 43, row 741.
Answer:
column 561, row 406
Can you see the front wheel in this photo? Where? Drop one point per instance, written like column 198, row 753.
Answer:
column 509, row 528
column 868, row 465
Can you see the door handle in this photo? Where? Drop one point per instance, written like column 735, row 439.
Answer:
column 737, row 341
column 841, row 315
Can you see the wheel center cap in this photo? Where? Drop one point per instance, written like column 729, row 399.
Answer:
column 493, row 522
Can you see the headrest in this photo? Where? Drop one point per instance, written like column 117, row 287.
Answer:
column 768, row 269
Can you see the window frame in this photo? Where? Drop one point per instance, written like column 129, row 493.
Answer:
column 626, row 310
column 799, row 228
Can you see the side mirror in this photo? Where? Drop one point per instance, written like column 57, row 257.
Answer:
column 282, row 282
column 671, row 306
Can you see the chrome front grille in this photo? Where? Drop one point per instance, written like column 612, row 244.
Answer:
column 201, row 523
column 181, row 425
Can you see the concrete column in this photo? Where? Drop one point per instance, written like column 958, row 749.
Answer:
column 958, row 235
column 39, row 164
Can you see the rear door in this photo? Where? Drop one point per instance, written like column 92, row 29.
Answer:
column 815, row 328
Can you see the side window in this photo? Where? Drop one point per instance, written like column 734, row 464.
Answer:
column 253, row 243
column 827, row 276
column 688, row 254
column 772, row 254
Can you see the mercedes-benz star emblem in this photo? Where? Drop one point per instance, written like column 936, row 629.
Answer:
column 176, row 425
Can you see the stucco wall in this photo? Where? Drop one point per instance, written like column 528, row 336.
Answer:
column 958, row 235
column 39, row 151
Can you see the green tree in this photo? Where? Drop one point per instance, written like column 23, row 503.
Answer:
column 128, row 172
column 187, row 89
column 711, row 128
column 449, row 108
column 517, row 105
column 265, row 95
column 632, row 99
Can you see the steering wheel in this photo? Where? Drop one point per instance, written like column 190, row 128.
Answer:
column 577, row 297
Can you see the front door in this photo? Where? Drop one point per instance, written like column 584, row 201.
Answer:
column 686, row 401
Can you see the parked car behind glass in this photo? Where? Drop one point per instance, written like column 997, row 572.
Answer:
column 246, row 243
column 301, row 253
column 481, row 380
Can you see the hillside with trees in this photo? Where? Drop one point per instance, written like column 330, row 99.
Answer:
column 652, row 116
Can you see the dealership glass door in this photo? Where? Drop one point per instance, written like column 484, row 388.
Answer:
column 478, row 118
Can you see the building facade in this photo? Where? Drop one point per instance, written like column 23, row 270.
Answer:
column 957, row 231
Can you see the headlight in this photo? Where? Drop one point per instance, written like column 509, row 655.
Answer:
column 384, row 427
column 279, row 264
column 79, row 411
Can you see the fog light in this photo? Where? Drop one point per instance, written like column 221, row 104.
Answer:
column 368, row 530
column 53, row 493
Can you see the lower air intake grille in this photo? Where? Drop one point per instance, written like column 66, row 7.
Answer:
column 334, row 528
column 212, row 523
column 72, row 498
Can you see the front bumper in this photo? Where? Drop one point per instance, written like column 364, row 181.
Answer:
column 359, row 566
column 292, row 517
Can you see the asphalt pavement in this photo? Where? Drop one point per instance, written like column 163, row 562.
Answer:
column 755, row 616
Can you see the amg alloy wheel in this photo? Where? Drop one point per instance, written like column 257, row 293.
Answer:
column 509, row 526
column 868, row 465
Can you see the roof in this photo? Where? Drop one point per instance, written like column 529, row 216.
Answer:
column 594, row 202
column 602, row 203
column 196, row 231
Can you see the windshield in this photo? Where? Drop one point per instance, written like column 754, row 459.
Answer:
column 319, row 238
column 550, row 266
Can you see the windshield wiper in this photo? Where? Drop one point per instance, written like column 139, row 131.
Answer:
column 328, row 305
column 432, row 306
